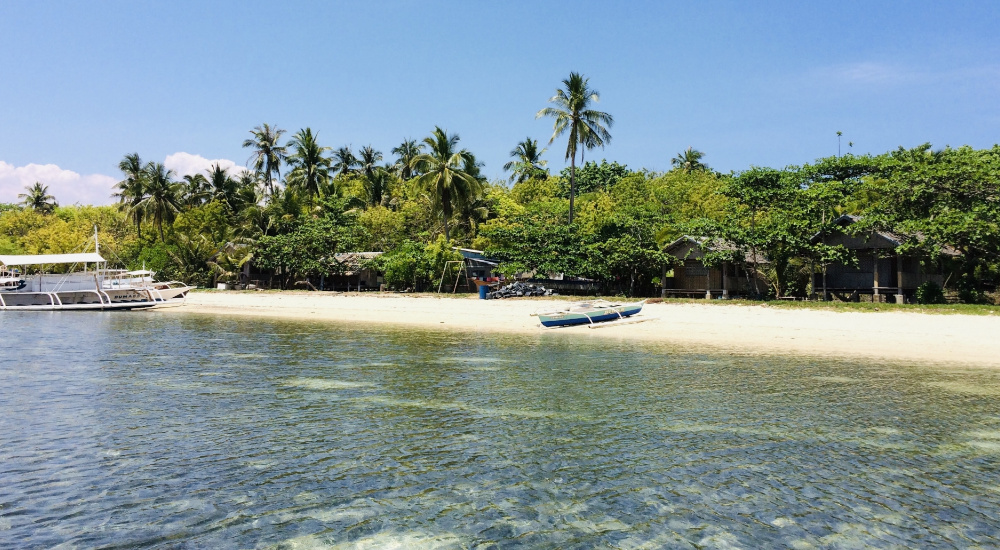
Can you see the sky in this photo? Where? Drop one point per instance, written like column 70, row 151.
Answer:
column 748, row 83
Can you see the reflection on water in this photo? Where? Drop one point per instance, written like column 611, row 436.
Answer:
column 145, row 430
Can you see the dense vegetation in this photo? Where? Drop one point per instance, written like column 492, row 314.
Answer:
column 300, row 202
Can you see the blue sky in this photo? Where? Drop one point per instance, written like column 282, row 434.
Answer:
column 766, row 84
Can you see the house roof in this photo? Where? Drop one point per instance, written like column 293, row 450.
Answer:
column 709, row 244
column 476, row 256
column 893, row 238
column 353, row 261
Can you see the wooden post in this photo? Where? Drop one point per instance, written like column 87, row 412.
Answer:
column 663, row 282
column 900, row 297
column 725, row 287
column 708, row 280
column 875, row 296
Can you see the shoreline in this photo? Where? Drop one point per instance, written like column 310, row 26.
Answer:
column 952, row 340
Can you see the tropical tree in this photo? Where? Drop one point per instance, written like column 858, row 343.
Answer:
column 446, row 180
column 132, row 190
column 586, row 126
column 267, row 154
column 310, row 168
column 344, row 161
column 222, row 187
column 162, row 200
column 196, row 190
column 689, row 160
column 376, row 178
column 38, row 198
column 404, row 154
column 527, row 161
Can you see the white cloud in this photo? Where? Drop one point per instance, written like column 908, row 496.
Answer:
column 67, row 186
column 184, row 164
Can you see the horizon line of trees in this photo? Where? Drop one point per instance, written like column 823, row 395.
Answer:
column 300, row 202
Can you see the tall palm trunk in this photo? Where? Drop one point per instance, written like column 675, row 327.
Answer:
column 572, row 184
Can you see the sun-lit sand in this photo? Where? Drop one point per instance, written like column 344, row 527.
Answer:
column 898, row 336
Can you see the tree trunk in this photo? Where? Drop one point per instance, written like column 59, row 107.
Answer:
column 447, row 238
column 572, row 184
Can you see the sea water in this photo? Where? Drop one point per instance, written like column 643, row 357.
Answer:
column 140, row 430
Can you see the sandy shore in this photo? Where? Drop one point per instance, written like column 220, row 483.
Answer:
column 897, row 336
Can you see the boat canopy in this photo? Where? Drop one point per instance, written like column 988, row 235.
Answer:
column 46, row 259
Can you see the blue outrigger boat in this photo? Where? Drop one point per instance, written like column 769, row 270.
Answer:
column 582, row 313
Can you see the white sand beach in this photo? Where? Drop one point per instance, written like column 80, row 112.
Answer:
column 898, row 336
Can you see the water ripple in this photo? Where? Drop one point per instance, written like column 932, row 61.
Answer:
column 141, row 431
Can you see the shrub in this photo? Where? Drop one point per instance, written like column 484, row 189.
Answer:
column 930, row 293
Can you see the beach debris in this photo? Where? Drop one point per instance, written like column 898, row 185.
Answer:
column 519, row 289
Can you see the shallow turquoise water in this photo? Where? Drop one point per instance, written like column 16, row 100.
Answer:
column 141, row 430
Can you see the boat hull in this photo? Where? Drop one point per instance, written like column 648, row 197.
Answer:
column 570, row 318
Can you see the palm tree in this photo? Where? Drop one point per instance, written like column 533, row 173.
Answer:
column 586, row 126
column 527, row 161
column 38, row 198
column 689, row 161
column 369, row 160
column 344, row 161
column 446, row 179
column 132, row 190
column 162, row 195
column 375, row 180
column 310, row 169
column 195, row 190
column 222, row 187
column 404, row 154
column 267, row 154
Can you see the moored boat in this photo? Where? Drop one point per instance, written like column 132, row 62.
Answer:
column 594, row 311
column 165, row 293
column 75, row 290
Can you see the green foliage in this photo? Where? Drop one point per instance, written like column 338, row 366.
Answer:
column 404, row 267
column 530, row 244
column 308, row 248
column 438, row 254
column 592, row 177
column 930, row 293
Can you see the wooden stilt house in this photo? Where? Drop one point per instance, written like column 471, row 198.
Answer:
column 693, row 279
column 881, row 274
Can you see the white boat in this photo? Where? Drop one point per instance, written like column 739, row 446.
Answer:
column 78, row 290
column 591, row 312
column 165, row 292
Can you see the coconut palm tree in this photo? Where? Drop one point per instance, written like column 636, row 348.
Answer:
column 369, row 160
column 132, row 190
column 162, row 200
column 689, row 161
column 586, row 126
column 344, row 161
column 404, row 154
column 222, row 187
column 446, row 180
column 195, row 190
column 38, row 198
column 527, row 161
column 376, row 180
column 267, row 154
column 310, row 168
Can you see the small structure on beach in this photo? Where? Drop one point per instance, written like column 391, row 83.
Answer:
column 881, row 270
column 355, row 272
column 693, row 279
column 477, row 265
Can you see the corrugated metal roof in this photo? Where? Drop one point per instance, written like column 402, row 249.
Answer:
column 46, row 259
